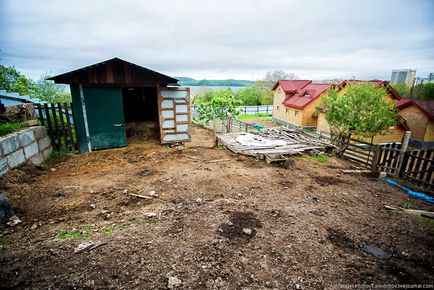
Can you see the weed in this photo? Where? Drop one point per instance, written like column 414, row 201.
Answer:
column 321, row 158
column 62, row 234
column 59, row 155
column 107, row 230
column 407, row 206
column 429, row 222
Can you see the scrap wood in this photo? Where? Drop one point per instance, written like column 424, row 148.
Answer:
column 218, row 160
column 423, row 213
column 355, row 171
column 87, row 246
column 139, row 195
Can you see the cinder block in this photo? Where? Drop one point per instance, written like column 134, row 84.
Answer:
column 44, row 143
column 37, row 159
column 40, row 132
column 16, row 158
column 31, row 150
column 47, row 152
column 3, row 165
column 26, row 137
column 9, row 144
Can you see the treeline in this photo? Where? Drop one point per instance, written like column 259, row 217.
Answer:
column 14, row 81
column 248, row 96
column 184, row 81
column 419, row 91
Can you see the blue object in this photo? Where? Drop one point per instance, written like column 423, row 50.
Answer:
column 411, row 192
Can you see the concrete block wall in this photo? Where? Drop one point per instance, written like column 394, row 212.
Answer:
column 28, row 145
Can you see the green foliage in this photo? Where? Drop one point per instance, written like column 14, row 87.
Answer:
column 250, row 96
column 222, row 106
column 424, row 91
column 361, row 110
column 12, row 80
column 6, row 128
column 49, row 92
column 402, row 89
column 107, row 230
column 407, row 206
column 266, row 97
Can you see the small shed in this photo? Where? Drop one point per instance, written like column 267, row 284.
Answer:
column 109, row 96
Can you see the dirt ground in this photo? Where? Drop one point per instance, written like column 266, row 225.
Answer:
column 234, row 224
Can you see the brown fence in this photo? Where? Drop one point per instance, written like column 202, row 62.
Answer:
column 58, row 118
column 418, row 166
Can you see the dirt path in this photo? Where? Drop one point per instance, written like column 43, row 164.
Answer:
column 234, row 224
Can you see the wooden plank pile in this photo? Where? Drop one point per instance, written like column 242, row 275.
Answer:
column 297, row 142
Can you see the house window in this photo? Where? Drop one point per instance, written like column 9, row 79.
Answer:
column 277, row 108
column 296, row 113
column 287, row 111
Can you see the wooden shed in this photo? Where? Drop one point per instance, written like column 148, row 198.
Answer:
column 110, row 95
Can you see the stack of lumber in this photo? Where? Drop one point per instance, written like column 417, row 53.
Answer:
column 297, row 142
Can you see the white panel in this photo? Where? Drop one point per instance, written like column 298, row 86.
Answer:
column 167, row 104
column 169, row 131
column 168, row 124
column 174, row 94
column 181, row 108
column 182, row 127
column 175, row 137
column 180, row 101
column 181, row 118
column 167, row 114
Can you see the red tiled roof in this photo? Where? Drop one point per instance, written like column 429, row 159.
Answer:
column 425, row 105
column 375, row 82
column 302, row 92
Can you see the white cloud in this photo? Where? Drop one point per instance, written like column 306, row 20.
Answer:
column 221, row 39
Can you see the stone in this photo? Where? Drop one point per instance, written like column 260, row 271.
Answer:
column 377, row 252
column 5, row 209
column 3, row 165
column 44, row 143
column 40, row 132
column 92, row 205
column 247, row 231
column 16, row 158
column 31, row 150
column 13, row 221
column 173, row 282
column 26, row 137
column 152, row 193
column 47, row 152
column 9, row 144
column 37, row 159
column 198, row 200
column 150, row 214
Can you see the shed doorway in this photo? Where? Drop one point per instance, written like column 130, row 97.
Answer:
column 141, row 114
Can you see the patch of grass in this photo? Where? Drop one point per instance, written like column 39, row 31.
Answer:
column 407, row 206
column 321, row 158
column 254, row 116
column 62, row 234
column 107, row 230
column 6, row 128
column 59, row 154
column 428, row 221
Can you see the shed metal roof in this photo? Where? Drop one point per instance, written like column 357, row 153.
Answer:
column 114, row 71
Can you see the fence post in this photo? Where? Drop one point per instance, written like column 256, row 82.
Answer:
column 402, row 151
column 376, row 158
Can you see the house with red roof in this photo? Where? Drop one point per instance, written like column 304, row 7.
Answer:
column 296, row 103
column 419, row 115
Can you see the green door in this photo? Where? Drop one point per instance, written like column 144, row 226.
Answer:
column 105, row 117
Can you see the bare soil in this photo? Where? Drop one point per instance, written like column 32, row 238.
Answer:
column 234, row 224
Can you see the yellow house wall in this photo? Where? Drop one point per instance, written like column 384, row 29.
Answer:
column 417, row 120
column 322, row 124
column 429, row 133
column 282, row 112
column 307, row 119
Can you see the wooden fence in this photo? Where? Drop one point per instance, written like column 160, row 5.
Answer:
column 58, row 118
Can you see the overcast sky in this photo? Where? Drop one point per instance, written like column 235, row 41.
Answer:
column 222, row 39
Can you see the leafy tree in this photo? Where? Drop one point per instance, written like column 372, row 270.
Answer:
column 424, row 91
column 50, row 92
column 267, row 97
column 222, row 106
column 402, row 89
column 271, row 77
column 250, row 96
column 360, row 110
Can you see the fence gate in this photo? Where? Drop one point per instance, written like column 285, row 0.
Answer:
column 387, row 158
column 418, row 167
column 58, row 118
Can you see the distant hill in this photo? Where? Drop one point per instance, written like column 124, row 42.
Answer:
column 185, row 81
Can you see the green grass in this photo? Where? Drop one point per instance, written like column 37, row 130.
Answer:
column 6, row 128
column 255, row 116
column 428, row 221
column 321, row 158
column 107, row 230
column 77, row 235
